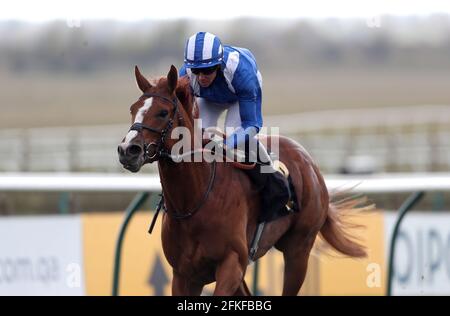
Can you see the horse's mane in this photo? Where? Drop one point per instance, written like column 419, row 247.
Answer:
column 184, row 94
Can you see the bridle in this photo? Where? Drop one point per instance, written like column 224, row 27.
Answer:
column 161, row 151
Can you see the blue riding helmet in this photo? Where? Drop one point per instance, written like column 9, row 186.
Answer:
column 203, row 50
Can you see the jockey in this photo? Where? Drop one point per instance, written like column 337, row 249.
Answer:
column 227, row 78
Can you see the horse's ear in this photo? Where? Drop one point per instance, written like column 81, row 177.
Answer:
column 142, row 82
column 172, row 79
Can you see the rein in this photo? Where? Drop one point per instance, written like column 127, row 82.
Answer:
column 178, row 215
column 183, row 215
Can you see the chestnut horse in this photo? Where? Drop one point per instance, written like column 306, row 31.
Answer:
column 212, row 208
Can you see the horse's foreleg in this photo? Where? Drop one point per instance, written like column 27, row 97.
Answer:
column 229, row 275
column 181, row 286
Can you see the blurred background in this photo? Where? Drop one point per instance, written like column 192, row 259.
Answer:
column 363, row 86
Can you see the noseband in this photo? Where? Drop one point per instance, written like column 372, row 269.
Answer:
column 161, row 151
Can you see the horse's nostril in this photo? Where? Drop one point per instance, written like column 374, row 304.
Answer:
column 134, row 150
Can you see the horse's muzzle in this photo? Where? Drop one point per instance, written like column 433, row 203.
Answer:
column 131, row 156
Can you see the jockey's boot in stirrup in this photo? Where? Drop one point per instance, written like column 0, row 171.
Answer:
column 274, row 187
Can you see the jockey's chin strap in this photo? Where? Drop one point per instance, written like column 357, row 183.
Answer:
column 161, row 151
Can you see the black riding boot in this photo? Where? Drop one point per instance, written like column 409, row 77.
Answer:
column 273, row 186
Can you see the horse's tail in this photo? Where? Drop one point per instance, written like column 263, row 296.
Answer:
column 335, row 228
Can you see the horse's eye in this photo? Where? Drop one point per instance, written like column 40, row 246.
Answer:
column 163, row 113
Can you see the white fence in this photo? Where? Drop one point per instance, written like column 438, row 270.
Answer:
column 64, row 182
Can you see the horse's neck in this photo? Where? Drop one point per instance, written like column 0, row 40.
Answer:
column 184, row 184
